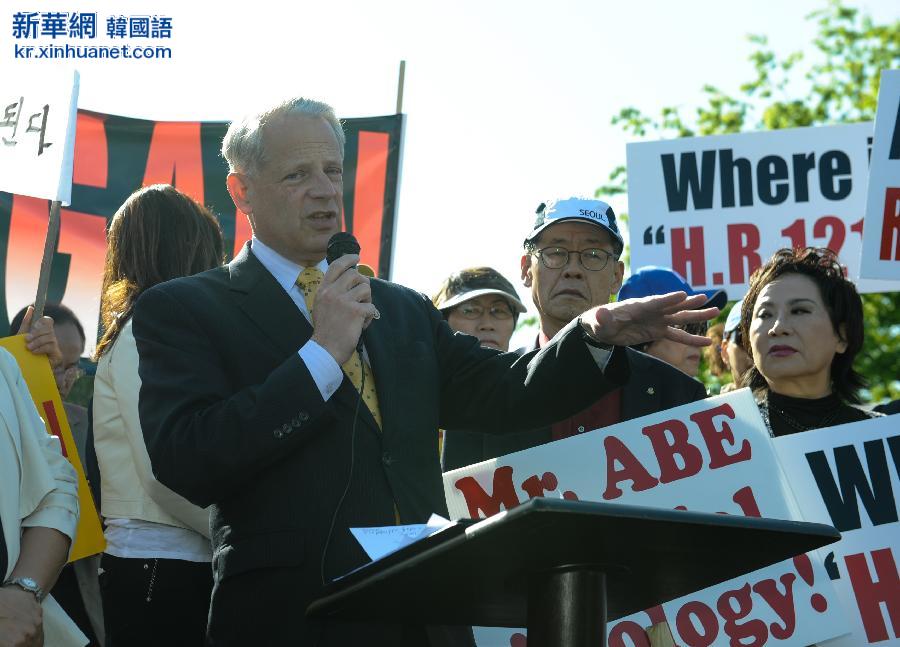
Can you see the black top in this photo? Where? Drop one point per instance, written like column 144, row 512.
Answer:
column 788, row 415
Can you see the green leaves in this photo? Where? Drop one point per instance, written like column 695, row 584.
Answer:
column 838, row 84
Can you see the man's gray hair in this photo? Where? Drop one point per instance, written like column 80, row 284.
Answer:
column 242, row 146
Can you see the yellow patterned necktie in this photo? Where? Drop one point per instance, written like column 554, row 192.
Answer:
column 308, row 282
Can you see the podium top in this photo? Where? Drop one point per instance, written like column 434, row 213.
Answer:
column 476, row 573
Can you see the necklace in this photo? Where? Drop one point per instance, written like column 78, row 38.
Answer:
column 825, row 421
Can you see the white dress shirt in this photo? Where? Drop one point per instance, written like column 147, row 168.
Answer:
column 323, row 368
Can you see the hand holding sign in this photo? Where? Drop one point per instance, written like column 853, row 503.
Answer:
column 634, row 321
column 40, row 338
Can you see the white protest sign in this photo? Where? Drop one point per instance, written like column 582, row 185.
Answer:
column 709, row 456
column 847, row 476
column 715, row 208
column 37, row 133
column 881, row 235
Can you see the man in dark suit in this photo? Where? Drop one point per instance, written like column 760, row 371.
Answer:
column 255, row 399
column 571, row 263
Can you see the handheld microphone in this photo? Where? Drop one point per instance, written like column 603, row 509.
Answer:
column 341, row 244
column 345, row 243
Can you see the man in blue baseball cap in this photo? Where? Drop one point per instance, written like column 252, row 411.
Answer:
column 571, row 263
column 651, row 280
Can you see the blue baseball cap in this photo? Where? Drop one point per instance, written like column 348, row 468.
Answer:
column 733, row 320
column 595, row 212
column 650, row 280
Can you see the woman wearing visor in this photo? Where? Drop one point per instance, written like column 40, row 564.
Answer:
column 478, row 301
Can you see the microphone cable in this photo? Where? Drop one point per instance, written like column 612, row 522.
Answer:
column 340, row 503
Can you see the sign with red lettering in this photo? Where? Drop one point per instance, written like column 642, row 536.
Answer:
column 715, row 208
column 847, row 476
column 709, row 456
column 114, row 156
column 881, row 236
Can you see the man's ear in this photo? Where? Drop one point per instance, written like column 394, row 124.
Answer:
column 619, row 273
column 239, row 189
column 526, row 270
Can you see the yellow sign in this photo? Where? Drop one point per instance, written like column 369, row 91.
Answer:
column 39, row 377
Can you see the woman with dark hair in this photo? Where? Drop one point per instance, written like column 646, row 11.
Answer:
column 155, row 578
column 802, row 322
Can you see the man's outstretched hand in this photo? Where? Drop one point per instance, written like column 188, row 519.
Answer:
column 635, row 321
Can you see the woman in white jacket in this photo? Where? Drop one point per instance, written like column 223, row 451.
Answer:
column 38, row 515
column 155, row 577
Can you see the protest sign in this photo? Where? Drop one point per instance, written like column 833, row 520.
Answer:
column 881, row 235
column 715, row 208
column 847, row 476
column 708, row 456
column 42, row 386
column 37, row 134
column 116, row 155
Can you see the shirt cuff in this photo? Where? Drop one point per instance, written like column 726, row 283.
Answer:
column 322, row 366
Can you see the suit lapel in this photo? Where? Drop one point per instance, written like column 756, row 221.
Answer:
column 380, row 349
column 266, row 303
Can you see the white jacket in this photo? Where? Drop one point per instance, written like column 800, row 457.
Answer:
column 38, row 487
column 128, row 489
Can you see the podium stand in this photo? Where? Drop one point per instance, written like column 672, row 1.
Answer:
column 562, row 568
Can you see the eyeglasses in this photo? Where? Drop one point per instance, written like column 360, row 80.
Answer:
column 699, row 328
column 499, row 310
column 555, row 258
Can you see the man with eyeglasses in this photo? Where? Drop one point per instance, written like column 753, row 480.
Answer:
column 571, row 264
